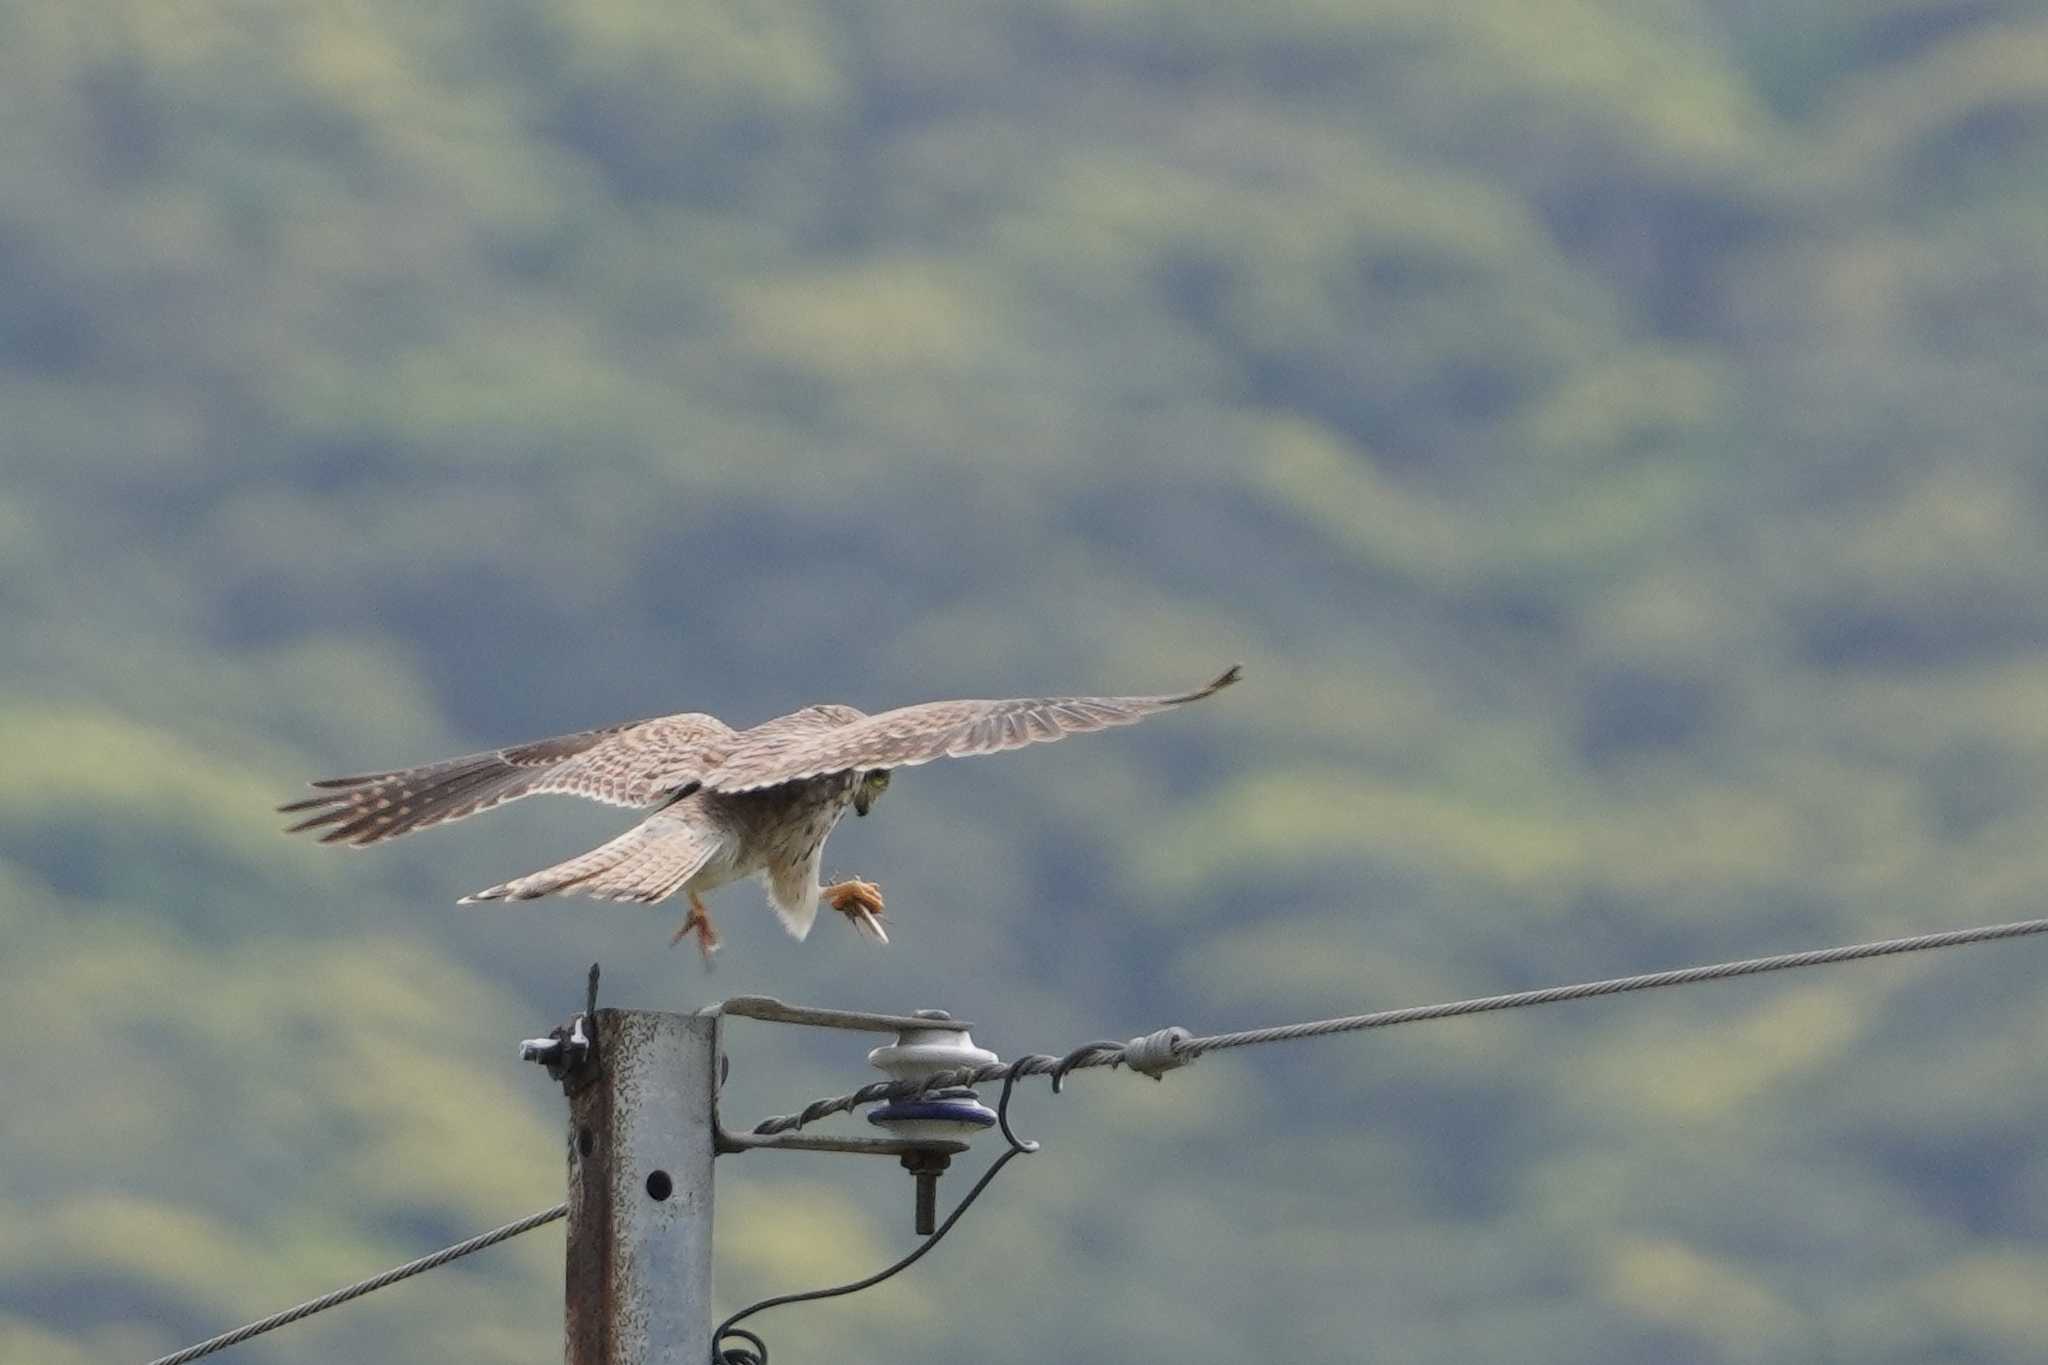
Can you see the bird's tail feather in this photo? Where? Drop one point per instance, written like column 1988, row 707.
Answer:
column 648, row 863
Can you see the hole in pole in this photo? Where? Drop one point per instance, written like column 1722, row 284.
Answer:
column 585, row 1143
column 659, row 1186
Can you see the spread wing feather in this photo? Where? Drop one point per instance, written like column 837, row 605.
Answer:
column 641, row 764
column 909, row 735
column 652, row 761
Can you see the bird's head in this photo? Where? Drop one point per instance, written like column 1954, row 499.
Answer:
column 869, row 789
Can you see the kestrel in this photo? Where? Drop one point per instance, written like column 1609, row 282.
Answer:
column 727, row 803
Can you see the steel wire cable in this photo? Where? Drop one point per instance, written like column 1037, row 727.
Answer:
column 1152, row 1054
column 1165, row 1049
column 362, row 1287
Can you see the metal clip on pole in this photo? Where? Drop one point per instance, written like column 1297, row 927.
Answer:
column 569, row 1050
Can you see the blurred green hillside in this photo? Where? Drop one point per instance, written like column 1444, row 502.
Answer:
column 1611, row 434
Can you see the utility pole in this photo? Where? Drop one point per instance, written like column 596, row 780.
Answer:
column 640, row 1156
column 643, row 1137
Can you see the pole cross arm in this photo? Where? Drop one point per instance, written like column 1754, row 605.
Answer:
column 770, row 1010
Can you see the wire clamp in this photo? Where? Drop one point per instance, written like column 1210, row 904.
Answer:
column 1155, row 1054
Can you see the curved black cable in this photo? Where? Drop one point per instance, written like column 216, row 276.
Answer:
column 756, row 1352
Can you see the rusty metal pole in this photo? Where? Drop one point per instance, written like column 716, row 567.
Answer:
column 640, row 1156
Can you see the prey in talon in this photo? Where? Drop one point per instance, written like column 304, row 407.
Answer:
column 726, row 805
column 861, row 903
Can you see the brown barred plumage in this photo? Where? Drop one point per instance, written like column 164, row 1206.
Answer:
column 731, row 803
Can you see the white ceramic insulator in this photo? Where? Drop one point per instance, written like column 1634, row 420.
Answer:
column 919, row 1052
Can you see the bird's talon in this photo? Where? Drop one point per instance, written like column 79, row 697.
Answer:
column 697, row 922
column 861, row 902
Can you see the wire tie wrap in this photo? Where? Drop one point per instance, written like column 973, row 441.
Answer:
column 1155, row 1054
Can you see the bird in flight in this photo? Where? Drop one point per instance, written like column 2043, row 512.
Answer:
column 727, row 803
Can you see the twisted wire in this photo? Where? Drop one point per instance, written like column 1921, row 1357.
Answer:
column 1037, row 1064
column 1182, row 1048
column 362, row 1287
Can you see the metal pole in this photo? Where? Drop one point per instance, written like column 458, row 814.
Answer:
column 640, row 1155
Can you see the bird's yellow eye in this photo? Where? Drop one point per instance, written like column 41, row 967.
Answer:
column 872, row 783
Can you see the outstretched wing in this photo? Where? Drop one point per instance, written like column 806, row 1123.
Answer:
column 909, row 735
column 641, row 764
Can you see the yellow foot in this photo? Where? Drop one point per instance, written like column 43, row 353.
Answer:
column 861, row 903
column 697, row 922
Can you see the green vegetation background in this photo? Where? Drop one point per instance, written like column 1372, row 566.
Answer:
column 1611, row 431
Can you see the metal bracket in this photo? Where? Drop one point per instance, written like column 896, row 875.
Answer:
column 858, row 1146
column 770, row 1010
column 925, row 1154
column 773, row 1011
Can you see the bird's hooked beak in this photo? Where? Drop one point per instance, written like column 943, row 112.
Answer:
column 871, row 785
